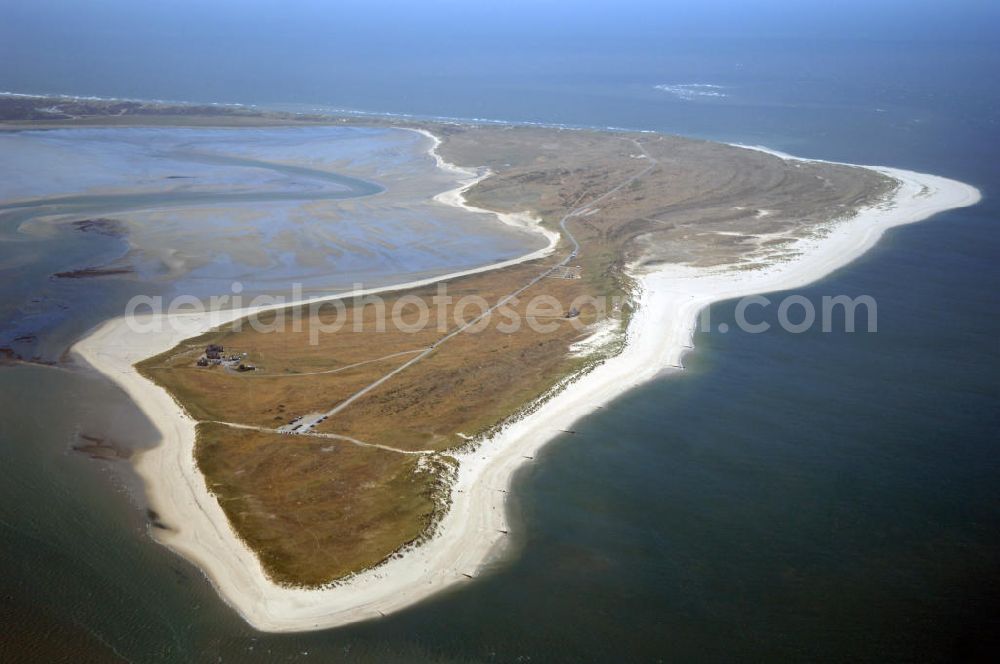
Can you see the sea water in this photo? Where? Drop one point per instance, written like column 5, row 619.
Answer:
column 787, row 497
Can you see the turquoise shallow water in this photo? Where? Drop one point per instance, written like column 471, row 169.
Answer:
column 789, row 497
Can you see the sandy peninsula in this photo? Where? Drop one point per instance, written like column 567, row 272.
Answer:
column 659, row 333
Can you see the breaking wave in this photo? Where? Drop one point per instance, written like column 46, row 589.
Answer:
column 693, row 91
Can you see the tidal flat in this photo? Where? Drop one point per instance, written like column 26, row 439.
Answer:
column 194, row 210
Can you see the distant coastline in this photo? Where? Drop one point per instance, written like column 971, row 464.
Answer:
column 315, row 114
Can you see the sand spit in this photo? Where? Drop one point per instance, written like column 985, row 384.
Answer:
column 455, row 197
column 471, row 533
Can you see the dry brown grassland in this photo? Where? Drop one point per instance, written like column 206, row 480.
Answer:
column 373, row 477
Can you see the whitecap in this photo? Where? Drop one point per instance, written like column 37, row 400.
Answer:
column 693, row 91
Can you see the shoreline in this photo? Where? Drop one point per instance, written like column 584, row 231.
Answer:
column 468, row 535
column 456, row 197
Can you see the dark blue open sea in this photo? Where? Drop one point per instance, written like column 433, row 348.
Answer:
column 787, row 498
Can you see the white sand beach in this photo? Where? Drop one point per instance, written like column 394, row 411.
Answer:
column 469, row 535
column 455, row 197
